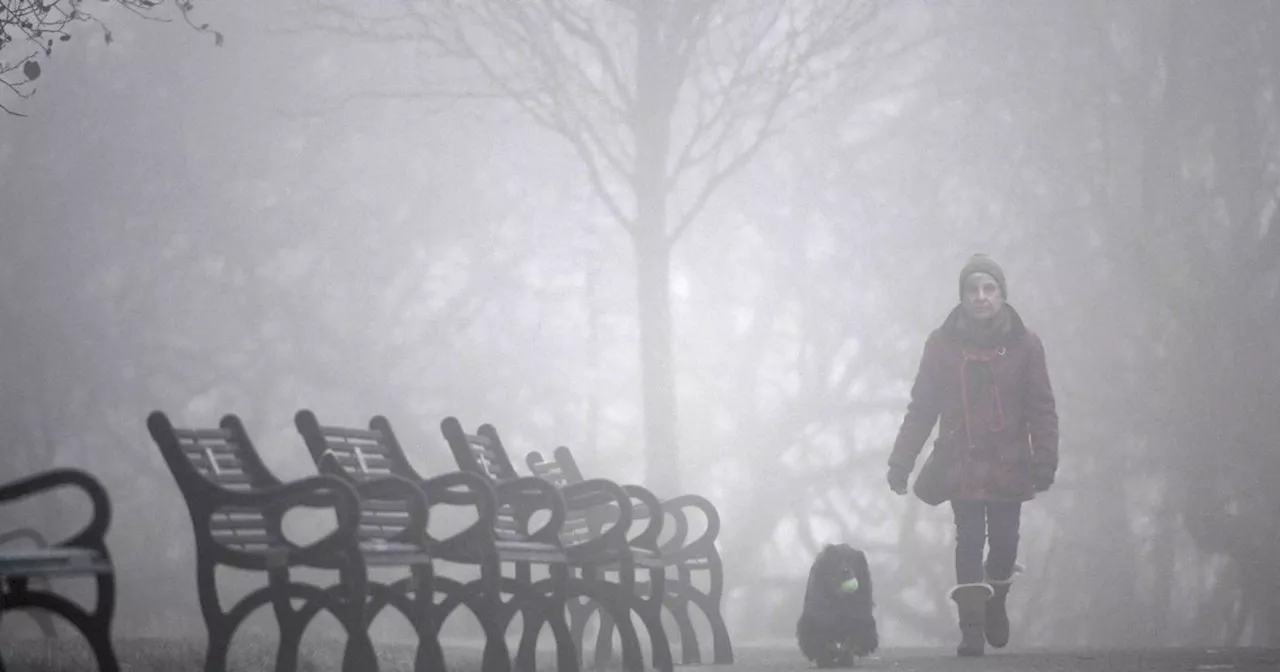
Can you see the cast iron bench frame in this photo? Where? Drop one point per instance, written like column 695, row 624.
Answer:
column 361, row 455
column 83, row 555
column 603, row 547
column 237, row 506
column 678, row 552
column 501, row 535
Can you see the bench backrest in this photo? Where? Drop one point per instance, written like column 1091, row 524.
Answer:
column 480, row 453
column 360, row 455
column 206, row 461
column 483, row 453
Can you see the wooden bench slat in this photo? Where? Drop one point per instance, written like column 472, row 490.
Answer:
column 226, row 478
column 347, row 457
column 517, row 550
column 206, row 448
column 351, row 433
column 199, row 434
column 246, row 538
column 381, row 553
column 346, row 444
column 398, row 523
column 223, row 522
column 203, row 463
column 221, row 451
column 350, row 447
column 378, row 533
column 52, row 561
column 377, row 506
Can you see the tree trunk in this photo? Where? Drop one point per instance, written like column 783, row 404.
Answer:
column 652, row 128
column 653, row 276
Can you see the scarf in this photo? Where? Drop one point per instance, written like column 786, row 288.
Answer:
column 976, row 379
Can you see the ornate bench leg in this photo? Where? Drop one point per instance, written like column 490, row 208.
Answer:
column 537, row 607
column 346, row 601
column 678, row 606
column 650, row 612
column 579, row 611
column 604, row 640
column 291, row 623
column 708, row 602
column 615, row 603
column 485, row 602
column 96, row 628
column 99, row 622
column 721, row 646
column 679, row 611
column 218, row 629
column 497, row 658
column 430, row 655
column 603, row 652
column 649, row 609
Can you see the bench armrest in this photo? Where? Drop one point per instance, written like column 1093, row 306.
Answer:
column 463, row 488
column 675, row 507
column 93, row 534
column 26, row 533
column 648, row 504
column 528, row 495
column 275, row 501
column 594, row 492
column 404, row 491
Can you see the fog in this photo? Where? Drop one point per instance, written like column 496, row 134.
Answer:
column 333, row 210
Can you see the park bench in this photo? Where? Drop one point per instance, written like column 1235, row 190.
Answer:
column 599, row 548
column 359, row 455
column 682, row 554
column 24, row 573
column 237, row 507
column 502, row 534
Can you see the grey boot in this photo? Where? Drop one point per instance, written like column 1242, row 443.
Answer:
column 997, row 616
column 971, row 601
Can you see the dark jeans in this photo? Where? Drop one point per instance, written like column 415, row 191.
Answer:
column 980, row 523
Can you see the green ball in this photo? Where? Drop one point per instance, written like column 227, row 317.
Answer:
column 849, row 586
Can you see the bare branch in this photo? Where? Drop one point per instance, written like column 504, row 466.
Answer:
column 578, row 26
column 533, row 68
column 44, row 23
column 781, row 68
column 438, row 102
column 734, row 73
column 713, row 183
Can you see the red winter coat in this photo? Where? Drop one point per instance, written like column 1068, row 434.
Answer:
column 997, row 409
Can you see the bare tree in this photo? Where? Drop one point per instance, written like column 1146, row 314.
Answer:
column 661, row 100
column 30, row 28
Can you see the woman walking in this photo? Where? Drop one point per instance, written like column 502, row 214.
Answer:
column 984, row 381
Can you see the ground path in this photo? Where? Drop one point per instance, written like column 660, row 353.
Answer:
column 157, row 655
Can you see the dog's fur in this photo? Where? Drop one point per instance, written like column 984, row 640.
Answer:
column 835, row 626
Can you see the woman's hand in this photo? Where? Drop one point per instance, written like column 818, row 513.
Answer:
column 898, row 480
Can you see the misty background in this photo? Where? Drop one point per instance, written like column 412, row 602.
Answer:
column 329, row 212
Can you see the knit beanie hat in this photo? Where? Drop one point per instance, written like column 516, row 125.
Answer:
column 981, row 263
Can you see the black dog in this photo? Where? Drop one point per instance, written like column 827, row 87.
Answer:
column 838, row 622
